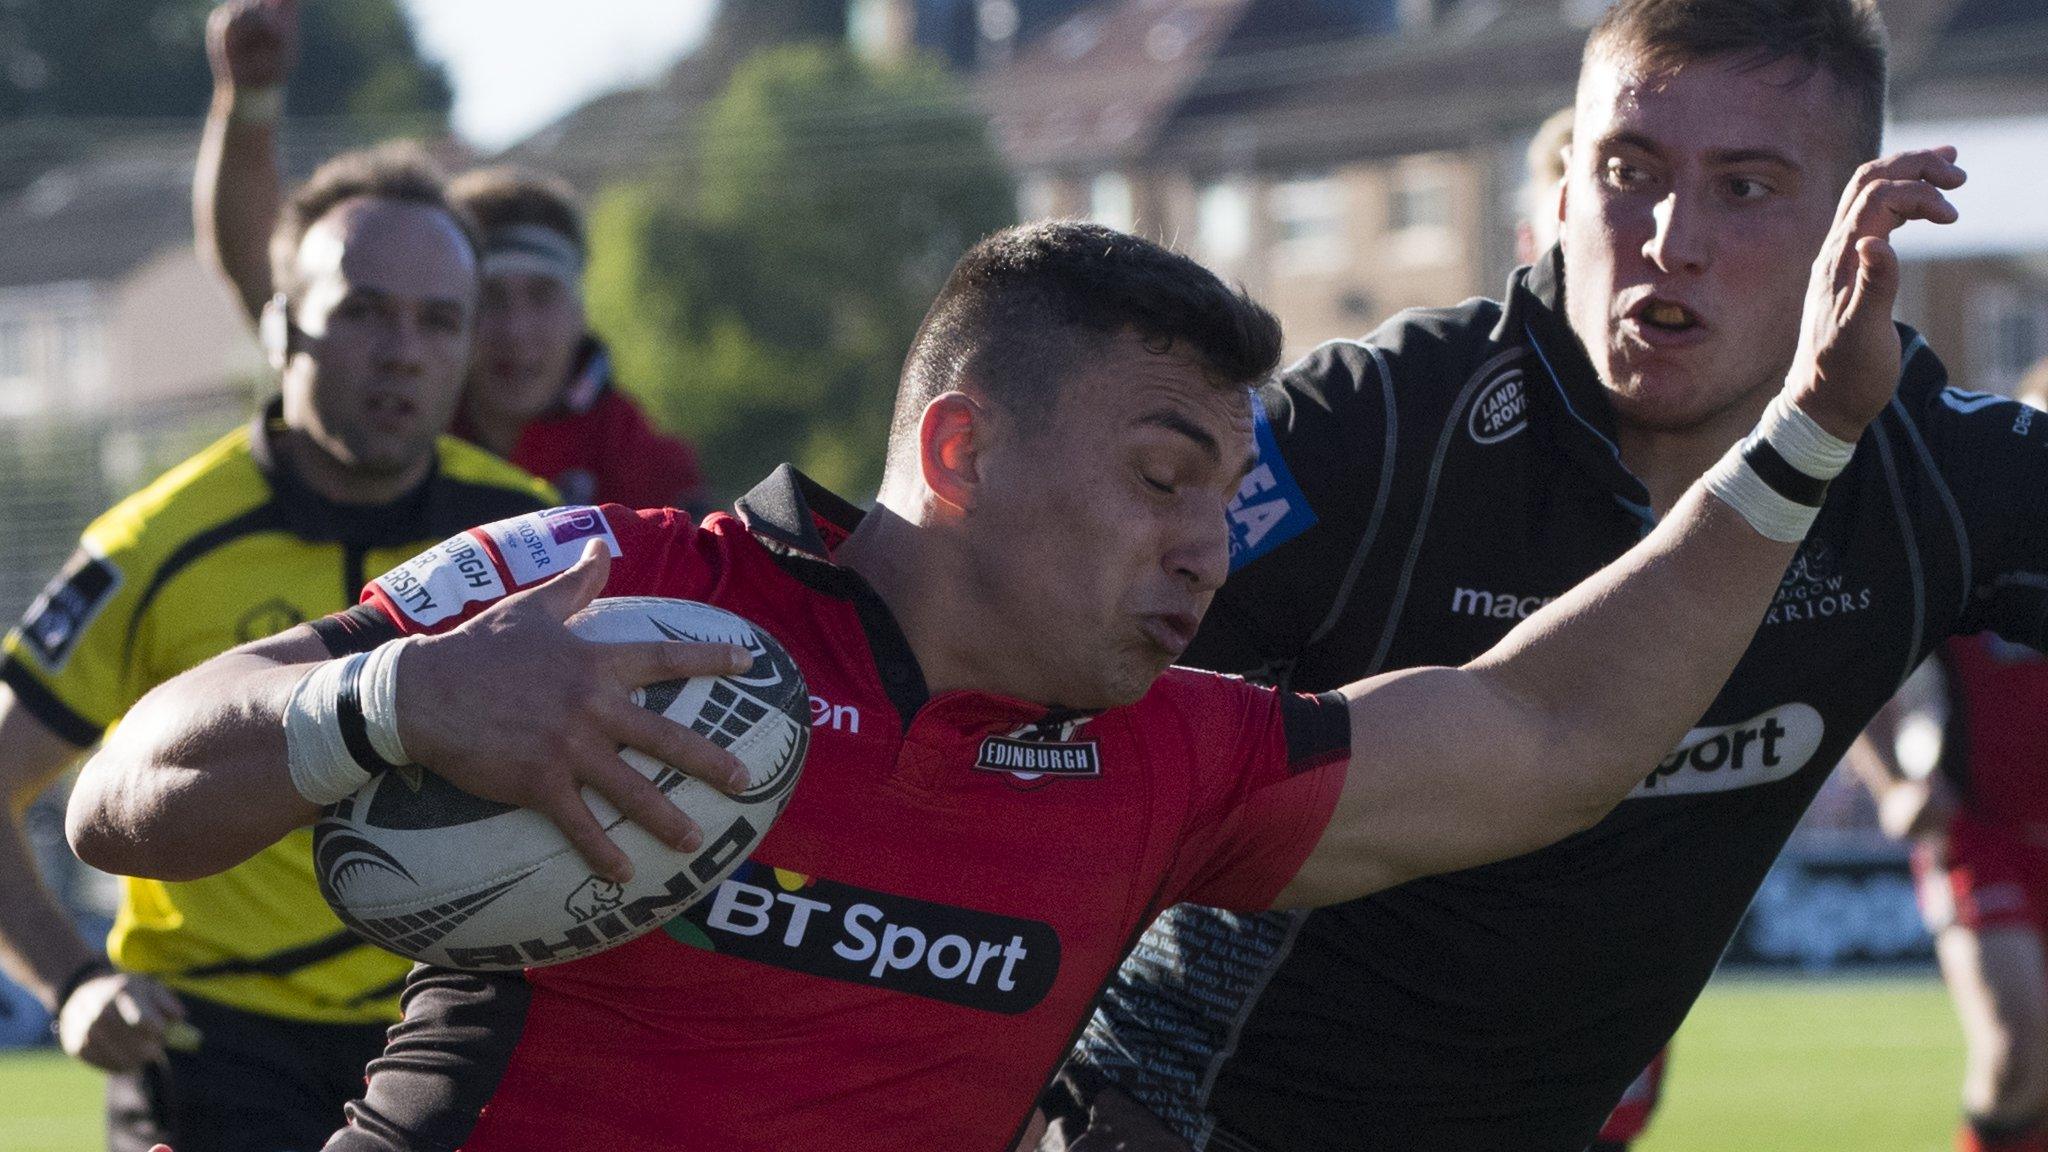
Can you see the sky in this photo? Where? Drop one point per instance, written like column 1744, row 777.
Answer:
column 518, row 64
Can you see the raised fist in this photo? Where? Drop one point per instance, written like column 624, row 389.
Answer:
column 253, row 44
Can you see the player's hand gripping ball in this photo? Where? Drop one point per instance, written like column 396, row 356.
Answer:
column 428, row 871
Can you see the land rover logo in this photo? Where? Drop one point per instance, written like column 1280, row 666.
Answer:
column 1500, row 410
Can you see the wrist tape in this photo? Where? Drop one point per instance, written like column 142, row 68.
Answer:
column 341, row 724
column 1778, row 477
column 256, row 105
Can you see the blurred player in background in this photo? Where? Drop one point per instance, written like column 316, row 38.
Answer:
column 237, row 1012
column 1543, row 180
column 540, row 391
column 1535, row 232
column 1958, row 763
column 1425, row 488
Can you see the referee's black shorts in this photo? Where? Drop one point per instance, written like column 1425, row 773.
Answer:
column 256, row 1084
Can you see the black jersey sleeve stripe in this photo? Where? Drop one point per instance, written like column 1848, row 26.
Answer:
column 266, row 517
column 286, row 962
column 1318, row 727
column 1384, row 377
column 43, row 704
column 442, row 1063
column 359, row 629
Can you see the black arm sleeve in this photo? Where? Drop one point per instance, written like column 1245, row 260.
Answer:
column 1305, row 516
column 441, row 1064
column 358, row 629
column 1991, row 455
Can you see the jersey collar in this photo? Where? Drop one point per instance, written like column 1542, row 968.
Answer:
column 315, row 517
column 1564, row 384
column 803, row 523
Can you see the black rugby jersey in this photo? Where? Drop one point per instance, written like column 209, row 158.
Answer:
column 1420, row 493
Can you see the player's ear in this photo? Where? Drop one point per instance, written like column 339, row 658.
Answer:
column 950, row 440
column 274, row 331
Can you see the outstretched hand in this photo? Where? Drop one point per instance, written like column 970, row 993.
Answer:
column 514, row 707
column 1849, row 356
column 253, row 44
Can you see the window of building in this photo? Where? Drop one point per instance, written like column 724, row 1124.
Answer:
column 1036, row 199
column 13, row 350
column 2011, row 334
column 79, row 355
column 1110, row 202
column 1307, row 213
column 1419, row 217
column 1223, row 221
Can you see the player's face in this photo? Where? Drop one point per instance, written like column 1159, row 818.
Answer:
column 1694, row 203
column 528, row 329
column 383, row 329
column 1102, row 536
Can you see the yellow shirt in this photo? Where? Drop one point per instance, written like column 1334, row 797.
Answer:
column 225, row 548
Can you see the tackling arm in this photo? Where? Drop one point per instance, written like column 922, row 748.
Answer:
column 1543, row 734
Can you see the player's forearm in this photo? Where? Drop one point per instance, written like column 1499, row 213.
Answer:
column 1606, row 679
column 235, row 198
column 39, row 947
column 195, row 779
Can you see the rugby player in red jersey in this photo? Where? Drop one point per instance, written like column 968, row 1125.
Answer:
column 1073, row 420
column 1956, row 762
column 541, row 392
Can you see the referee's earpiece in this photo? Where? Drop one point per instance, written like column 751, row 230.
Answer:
column 274, row 331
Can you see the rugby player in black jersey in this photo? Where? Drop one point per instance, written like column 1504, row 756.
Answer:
column 1423, row 489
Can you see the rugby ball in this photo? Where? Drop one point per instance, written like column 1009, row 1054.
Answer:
column 426, row 870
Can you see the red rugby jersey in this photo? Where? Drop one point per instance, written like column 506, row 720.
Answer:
column 914, row 944
column 597, row 447
column 1998, row 731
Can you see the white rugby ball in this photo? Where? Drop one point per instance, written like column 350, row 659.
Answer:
column 426, row 870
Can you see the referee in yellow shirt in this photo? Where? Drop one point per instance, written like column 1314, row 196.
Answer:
column 237, row 1013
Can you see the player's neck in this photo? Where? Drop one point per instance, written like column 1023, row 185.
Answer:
column 491, row 428
column 921, row 585
column 1668, row 460
column 341, row 483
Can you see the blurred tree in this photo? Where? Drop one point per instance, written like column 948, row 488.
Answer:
column 146, row 58
column 760, row 290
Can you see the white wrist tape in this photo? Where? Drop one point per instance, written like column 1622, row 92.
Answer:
column 256, row 106
column 1778, row 477
column 1773, row 515
column 1804, row 444
column 341, row 724
column 380, row 701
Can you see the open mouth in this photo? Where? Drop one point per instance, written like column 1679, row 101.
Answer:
column 1666, row 316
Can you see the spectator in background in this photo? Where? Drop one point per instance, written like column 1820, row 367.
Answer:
column 1537, row 229
column 236, row 1012
column 540, row 391
column 1958, row 764
column 1535, row 233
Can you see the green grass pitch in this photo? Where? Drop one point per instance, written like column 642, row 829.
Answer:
column 1762, row 1066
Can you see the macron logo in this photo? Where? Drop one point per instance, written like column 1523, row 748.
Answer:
column 1495, row 605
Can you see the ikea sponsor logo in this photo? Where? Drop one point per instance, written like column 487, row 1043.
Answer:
column 1269, row 509
column 1761, row 750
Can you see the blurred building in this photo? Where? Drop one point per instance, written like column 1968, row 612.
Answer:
column 1349, row 159
column 104, row 305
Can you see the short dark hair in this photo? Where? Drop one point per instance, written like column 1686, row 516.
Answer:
column 1843, row 38
column 398, row 171
column 1022, row 307
column 506, row 195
